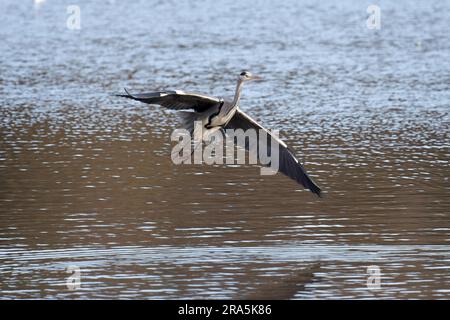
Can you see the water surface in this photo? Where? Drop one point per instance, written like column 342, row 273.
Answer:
column 87, row 180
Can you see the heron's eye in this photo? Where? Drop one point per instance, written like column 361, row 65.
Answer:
column 244, row 73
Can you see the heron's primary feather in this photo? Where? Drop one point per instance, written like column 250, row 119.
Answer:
column 176, row 100
column 288, row 163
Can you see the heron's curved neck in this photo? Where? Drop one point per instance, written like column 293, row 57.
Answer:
column 237, row 95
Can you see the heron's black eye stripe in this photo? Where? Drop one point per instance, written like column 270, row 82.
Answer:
column 243, row 73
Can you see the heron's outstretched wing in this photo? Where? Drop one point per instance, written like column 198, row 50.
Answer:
column 288, row 163
column 176, row 100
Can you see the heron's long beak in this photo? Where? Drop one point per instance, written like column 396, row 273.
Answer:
column 256, row 78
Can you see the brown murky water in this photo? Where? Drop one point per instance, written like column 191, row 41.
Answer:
column 87, row 180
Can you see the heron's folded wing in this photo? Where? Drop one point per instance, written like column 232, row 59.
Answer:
column 288, row 163
column 176, row 100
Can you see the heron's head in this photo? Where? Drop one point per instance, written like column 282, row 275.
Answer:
column 247, row 76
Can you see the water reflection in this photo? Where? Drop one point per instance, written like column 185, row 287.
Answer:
column 252, row 272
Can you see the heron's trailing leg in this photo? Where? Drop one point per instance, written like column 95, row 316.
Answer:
column 199, row 135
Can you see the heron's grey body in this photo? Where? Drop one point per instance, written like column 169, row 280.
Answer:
column 218, row 114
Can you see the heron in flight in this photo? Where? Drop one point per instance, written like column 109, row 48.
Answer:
column 219, row 114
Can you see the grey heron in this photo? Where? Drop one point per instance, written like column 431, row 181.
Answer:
column 216, row 113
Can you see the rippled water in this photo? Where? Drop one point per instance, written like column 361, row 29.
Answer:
column 87, row 180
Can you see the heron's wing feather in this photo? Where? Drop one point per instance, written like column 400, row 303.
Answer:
column 288, row 163
column 176, row 100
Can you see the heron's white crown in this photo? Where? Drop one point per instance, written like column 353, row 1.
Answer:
column 247, row 76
